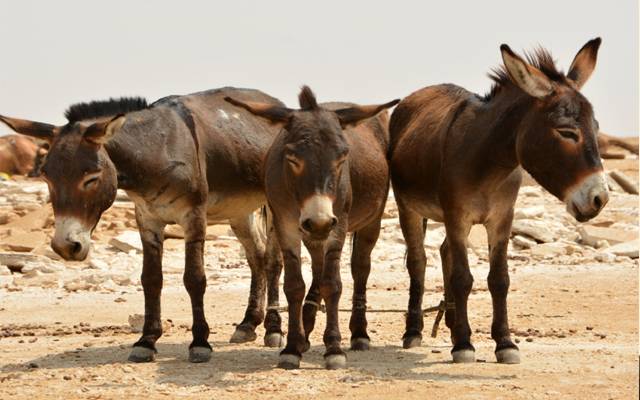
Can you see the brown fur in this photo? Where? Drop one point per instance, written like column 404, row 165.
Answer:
column 322, row 150
column 456, row 157
column 17, row 154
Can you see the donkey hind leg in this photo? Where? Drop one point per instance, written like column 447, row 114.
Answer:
column 273, row 336
column 450, row 313
column 313, row 299
column 363, row 242
column 247, row 231
column 152, row 236
column 498, row 234
column 461, row 282
column 413, row 228
column 194, row 225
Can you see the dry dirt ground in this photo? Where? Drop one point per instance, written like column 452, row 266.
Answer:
column 64, row 330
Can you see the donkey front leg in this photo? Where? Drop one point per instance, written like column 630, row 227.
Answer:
column 294, row 287
column 313, row 300
column 152, row 236
column 246, row 231
column 363, row 243
column 331, row 289
column 273, row 265
column 195, row 281
column 498, row 233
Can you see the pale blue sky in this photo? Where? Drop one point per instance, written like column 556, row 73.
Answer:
column 55, row 53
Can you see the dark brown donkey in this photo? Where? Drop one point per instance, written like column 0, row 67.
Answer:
column 184, row 159
column 456, row 157
column 325, row 175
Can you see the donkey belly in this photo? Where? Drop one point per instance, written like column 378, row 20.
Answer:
column 223, row 206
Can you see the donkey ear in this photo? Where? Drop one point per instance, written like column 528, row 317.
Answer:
column 101, row 132
column 527, row 77
column 584, row 63
column 37, row 130
column 273, row 113
column 354, row 115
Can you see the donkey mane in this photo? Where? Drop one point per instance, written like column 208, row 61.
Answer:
column 540, row 58
column 307, row 99
column 104, row 108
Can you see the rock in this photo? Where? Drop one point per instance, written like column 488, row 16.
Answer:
column 127, row 241
column 548, row 250
column 48, row 267
column 173, row 232
column 591, row 235
column 530, row 191
column 538, row 230
column 605, row 257
column 136, row 322
column 523, row 242
column 98, row 264
column 529, row 212
column 17, row 261
column 628, row 249
column 34, row 220
column 38, row 279
column 23, row 241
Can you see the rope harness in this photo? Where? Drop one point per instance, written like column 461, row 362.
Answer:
column 440, row 309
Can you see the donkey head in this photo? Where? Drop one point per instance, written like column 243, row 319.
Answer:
column 82, row 179
column 315, row 154
column 557, row 139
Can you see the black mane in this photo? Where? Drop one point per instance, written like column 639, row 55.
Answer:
column 307, row 99
column 539, row 58
column 105, row 108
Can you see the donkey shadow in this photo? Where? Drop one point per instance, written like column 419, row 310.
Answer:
column 230, row 364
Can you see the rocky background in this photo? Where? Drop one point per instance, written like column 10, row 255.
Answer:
column 66, row 326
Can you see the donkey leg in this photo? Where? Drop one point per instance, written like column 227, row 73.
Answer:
column 195, row 281
column 412, row 225
column 313, row 299
column 449, row 314
column 247, row 233
column 498, row 234
column 294, row 287
column 363, row 243
column 152, row 236
column 461, row 283
column 331, row 289
column 273, row 265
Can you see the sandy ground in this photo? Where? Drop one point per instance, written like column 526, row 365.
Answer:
column 65, row 334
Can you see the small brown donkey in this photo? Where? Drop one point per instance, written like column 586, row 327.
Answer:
column 184, row 159
column 456, row 157
column 325, row 175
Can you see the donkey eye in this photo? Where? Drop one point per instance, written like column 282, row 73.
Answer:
column 90, row 181
column 571, row 134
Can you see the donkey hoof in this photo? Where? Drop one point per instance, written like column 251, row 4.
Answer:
column 335, row 361
column 289, row 361
column 360, row 344
column 273, row 339
column 199, row 354
column 508, row 356
column 243, row 336
column 141, row 354
column 463, row 356
column 411, row 342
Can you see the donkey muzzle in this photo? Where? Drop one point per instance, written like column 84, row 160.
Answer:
column 316, row 217
column 72, row 240
column 588, row 198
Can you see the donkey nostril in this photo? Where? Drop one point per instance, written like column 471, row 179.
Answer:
column 334, row 222
column 597, row 202
column 306, row 225
column 76, row 247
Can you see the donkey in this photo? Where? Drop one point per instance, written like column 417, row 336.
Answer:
column 325, row 175
column 184, row 159
column 456, row 157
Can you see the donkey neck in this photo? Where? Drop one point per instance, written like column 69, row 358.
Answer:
column 502, row 119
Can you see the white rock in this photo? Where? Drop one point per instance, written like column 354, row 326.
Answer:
column 548, row 250
column 538, row 230
column 523, row 242
column 38, row 279
column 127, row 242
column 605, row 256
column 627, row 249
column 529, row 212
